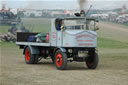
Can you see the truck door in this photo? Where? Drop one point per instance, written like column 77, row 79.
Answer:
column 59, row 38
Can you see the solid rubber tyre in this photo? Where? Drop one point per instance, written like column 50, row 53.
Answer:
column 30, row 58
column 60, row 59
column 92, row 60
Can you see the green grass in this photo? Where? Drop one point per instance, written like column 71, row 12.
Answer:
column 119, row 24
column 37, row 25
column 108, row 43
column 126, row 25
column 4, row 28
column 34, row 25
column 7, row 44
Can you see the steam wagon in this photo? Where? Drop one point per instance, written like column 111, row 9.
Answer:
column 70, row 39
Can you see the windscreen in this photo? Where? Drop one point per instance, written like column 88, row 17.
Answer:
column 75, row 24
column 79, row 24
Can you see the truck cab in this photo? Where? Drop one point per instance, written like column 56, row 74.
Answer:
column 74, row 32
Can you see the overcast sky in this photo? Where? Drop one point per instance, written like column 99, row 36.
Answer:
column 63, row 4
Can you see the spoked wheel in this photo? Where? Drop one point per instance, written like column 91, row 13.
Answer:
column 30, row 58
column 92, row 60
column 60, row 60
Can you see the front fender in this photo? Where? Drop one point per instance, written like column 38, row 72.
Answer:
column 62, row 49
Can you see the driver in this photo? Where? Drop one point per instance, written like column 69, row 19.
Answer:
column 59, row 25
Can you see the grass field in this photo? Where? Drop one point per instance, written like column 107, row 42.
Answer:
column 114, row 23
column 37, row 25
column 112, row 69
column 34, row 25
column 4, row 28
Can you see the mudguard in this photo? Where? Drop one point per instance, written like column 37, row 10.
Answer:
column 62, row 49
column 34, row 50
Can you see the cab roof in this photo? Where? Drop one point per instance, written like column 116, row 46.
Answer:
column 71, row 18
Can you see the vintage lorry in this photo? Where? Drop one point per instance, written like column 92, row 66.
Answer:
column 70, row 39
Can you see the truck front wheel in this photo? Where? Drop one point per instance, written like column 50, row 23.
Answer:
column 30, row 58
column 92, row 60
column 60, row 59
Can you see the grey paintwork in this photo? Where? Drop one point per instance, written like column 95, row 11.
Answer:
column 79, row 38
column 53, row 33
column 62, row 49
column 73, row 38
column 66, row 38
column 33, row 49
column 33, row 43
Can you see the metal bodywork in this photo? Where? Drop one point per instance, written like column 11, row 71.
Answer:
column 68, row 38
column 79, row 39
column 72, row 38
column 77, row 42
column 33, row 49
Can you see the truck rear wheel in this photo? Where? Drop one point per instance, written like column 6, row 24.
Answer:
column 60, row 59
column 30, row 58
column 92, row 60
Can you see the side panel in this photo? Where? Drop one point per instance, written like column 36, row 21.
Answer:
column 80, row 39
column 59, row 39
column 53, row 33
column 55, row 36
